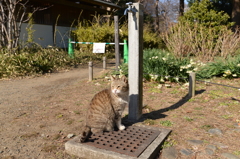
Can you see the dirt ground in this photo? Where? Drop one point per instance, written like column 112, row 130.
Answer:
column 37, row 114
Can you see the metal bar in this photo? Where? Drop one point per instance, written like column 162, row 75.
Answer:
column 95, row 43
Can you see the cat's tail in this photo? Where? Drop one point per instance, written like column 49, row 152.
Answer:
column 85, row 134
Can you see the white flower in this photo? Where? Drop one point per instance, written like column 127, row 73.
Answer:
column 224, row 75
column 228, row 72
column 234, row 75
column 195, row 69
column 189, row 71
column 164, row 59
column 153, row 77
column 168, row 85
column 238, row 65
column 188, row 66
column 181, row 70
column 162, row 80
column 159, row 86
column 193, row 63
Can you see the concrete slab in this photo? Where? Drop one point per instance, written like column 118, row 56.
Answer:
column 82, row 150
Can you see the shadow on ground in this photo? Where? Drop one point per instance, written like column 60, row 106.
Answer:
column 157, row 114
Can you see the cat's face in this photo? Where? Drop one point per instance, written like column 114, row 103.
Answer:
column 119, row 85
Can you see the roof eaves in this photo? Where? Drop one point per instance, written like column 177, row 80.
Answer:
column 107, row 3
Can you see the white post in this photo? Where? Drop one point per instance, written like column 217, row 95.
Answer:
column 135, row 64
column 90, row 70
column 192, row 84
column 116, row 28
column 104, row 63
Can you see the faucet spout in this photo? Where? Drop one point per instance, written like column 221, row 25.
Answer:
column 129, row 9
column 126, row 11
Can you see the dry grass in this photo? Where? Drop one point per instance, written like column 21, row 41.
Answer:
column 204, row 43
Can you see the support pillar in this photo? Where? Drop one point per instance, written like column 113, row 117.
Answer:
column 135, row 63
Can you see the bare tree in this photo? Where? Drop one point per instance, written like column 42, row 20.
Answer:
column 169, row 12
column 12, row 14
column 181, row 7
column 164, row 12
column 157, row 15
column 236, row 13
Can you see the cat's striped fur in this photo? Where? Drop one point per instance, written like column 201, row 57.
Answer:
column 105, row 109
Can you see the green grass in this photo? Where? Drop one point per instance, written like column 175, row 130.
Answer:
column 227, row 116
column 207, row 127
column 187, row 118
column 166, row 123
column 149, row 122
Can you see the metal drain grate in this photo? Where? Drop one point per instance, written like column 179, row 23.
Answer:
column 132, row 141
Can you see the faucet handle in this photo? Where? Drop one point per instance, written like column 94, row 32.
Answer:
column 129, row 9
column 129, row 3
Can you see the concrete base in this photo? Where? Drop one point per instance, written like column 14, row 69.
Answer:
column 89, row 152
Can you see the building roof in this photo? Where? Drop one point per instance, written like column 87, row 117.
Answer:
column 100, row 2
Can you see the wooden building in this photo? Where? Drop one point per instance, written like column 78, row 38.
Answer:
column 55, row 19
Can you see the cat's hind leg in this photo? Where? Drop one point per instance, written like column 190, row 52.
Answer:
column 85, row 134
column 96, row 130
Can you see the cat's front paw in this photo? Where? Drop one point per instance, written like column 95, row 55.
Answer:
column 122, row 127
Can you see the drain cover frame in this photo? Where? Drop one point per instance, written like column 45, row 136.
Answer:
column 132, row 141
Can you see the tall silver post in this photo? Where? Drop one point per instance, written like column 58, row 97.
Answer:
column 135, row 64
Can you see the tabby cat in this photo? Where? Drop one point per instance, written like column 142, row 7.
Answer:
column 105, row 109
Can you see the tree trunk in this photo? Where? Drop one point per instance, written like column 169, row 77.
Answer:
column 181, row 7
column 236, row 13
column 157, row 17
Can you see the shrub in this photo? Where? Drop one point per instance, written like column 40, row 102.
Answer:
column 25, row 63
column 229, row 68
column 202, row 32
column 98, row 31
column 161, row 66
column 158, row 65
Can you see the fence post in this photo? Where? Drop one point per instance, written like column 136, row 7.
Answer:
column 70, row 49
column 104, row 63
column 192, row 84
column 125, row 52
column 90, row 68
column 116, row 28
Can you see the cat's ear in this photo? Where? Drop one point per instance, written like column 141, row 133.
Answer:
column 124, row 79
column 112, row 78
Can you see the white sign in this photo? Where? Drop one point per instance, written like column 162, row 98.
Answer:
column 99, row 47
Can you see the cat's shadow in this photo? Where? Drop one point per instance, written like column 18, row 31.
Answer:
column 157, row 114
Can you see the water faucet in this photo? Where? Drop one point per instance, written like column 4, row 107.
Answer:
column 129, row 9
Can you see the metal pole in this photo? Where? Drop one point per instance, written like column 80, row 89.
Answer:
column 116, row 28
column 70, row 49
column 125, row 53
column 90, row 68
